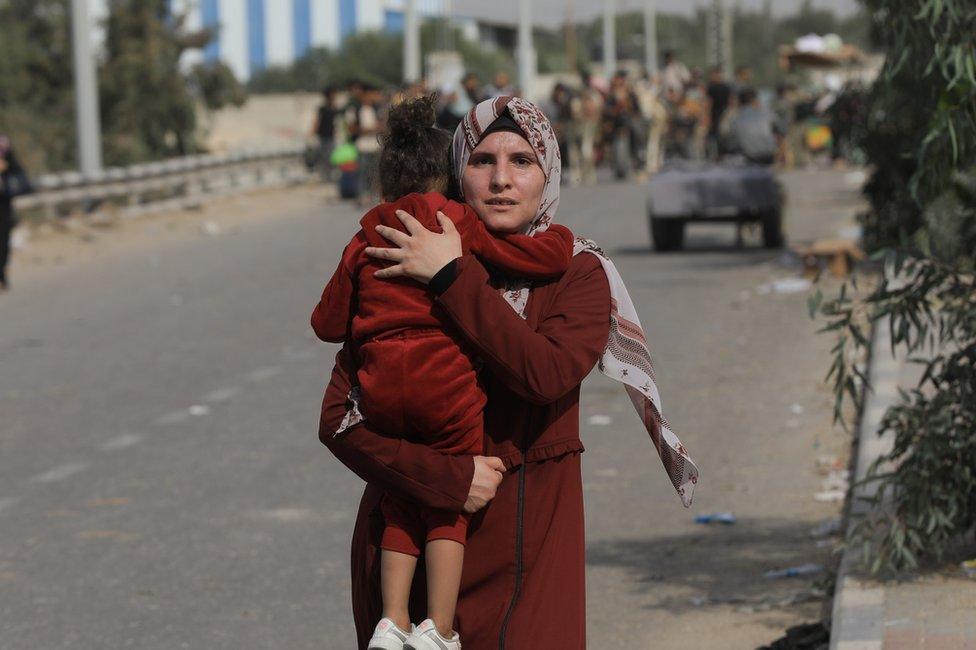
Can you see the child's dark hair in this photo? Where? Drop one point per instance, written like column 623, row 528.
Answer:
column 416, row 155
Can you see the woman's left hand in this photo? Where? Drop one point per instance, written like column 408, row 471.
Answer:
column 420, row 254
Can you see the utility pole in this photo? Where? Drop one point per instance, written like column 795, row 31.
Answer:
column 609, row 38
column 86, row 92
column 448, row 25
column 526, row 54
column 728, row 60
column 719, row 39
column 572, row 62
column 411, row 43
column 650, row 36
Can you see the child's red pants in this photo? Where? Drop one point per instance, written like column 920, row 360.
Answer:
column 422, row 384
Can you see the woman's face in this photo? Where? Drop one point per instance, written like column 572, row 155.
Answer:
column 503, row 182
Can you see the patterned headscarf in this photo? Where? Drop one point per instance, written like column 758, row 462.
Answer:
column 626, row 357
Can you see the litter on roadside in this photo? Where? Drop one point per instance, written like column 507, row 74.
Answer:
column 830, row 496
column 19, row 239
column 855, row 178
column 794, row 571
column 211, row 228
column 826, row 464
column 826, row 528
column 969, row 568
column 796, row 408
column 837, row 480
column 600, row 420
column 836, row 255
column 726, row 518
column 785, row 285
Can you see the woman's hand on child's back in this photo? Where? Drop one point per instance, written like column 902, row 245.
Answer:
column 420, row 254
column 488, row 474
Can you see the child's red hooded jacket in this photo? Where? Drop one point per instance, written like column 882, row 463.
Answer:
column 356, row 306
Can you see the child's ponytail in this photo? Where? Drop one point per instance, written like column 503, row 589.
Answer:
column 416, row 154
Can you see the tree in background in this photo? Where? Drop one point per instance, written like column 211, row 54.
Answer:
column 36, row 85
column 683, row 34
column 921, row 146
column 757, row 35
column 215, row 86
column 148, row 106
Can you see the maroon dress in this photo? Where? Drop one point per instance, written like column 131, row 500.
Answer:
column 523, row 584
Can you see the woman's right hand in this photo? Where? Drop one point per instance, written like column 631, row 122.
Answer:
column 488, row 473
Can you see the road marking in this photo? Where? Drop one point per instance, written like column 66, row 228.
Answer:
column 176, row 417
column 262, row 374
column 221, row 394
column 60, row 472
column 115, row 501
column 7, row 502
column 291, row 354
column 292, row 515
column 121, row 442
column 198, row 410
column 288, row 514
column 114, row 535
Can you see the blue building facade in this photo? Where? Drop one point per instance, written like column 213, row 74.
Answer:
column 254, row 34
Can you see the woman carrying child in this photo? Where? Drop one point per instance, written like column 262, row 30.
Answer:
column 522, row 584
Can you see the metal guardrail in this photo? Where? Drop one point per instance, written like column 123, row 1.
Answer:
column 174, row 184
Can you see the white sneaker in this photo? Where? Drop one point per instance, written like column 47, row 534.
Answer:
column 426, row 637
column 387, row 636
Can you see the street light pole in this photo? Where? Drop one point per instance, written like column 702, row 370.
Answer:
column 86, row 91
column 526, row 65
column 411, row 43
column 718, row 43
column 569, row 29
column 727, row 52
column 650, row 36
column 609, row 38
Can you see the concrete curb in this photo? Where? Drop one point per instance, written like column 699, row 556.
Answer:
column 858, row 608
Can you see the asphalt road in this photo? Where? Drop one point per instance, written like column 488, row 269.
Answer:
column 162, row 485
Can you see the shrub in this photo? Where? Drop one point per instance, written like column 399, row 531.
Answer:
column 921, row 144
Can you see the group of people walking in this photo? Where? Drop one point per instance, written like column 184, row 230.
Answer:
column 633, row 123
column 351, row 118
column 630, row 123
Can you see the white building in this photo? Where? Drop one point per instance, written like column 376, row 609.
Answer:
column 255, row 34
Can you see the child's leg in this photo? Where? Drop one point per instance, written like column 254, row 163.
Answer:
column 444, row 558
column 403, row 539
column 396, row 576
